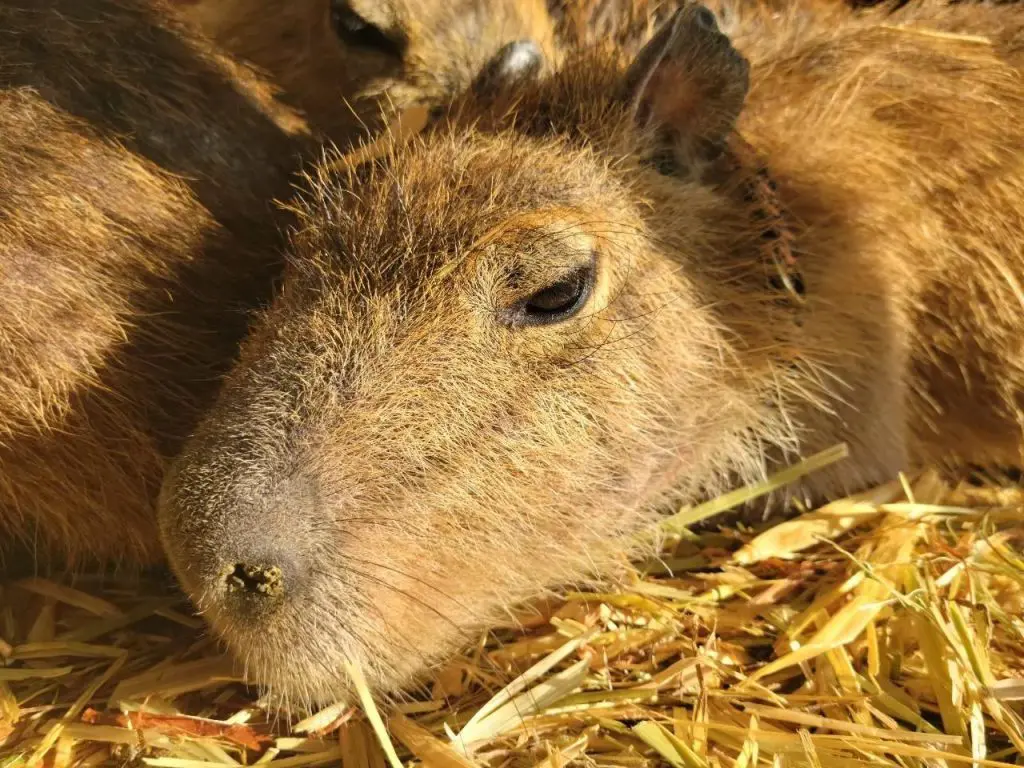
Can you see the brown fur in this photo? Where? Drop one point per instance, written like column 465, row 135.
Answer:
column 136, row 229
column 628, row 23
column 443, row 45
column 412, row 463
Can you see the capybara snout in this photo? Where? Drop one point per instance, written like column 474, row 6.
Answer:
column 257, row 556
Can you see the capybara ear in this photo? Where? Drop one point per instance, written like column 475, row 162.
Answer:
column 689, row 83
column 515, row 62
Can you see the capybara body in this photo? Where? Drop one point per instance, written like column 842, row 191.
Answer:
column 561, row 308
column 324, row 53
column 137, row 173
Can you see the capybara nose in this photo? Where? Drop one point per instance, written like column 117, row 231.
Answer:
column 256, row 579
column 260, row 583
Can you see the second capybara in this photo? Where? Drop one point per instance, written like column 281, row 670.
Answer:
column 323, row 53
column 580, row 297
column 137, row 172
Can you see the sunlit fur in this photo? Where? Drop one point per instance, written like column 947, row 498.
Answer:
column 628, row 23
column 421, row 465
column 444, row 44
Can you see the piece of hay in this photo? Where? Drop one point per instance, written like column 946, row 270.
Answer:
column 355, row 672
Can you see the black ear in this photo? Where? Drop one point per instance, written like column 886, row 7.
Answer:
column 690, row 84
column 515, row 62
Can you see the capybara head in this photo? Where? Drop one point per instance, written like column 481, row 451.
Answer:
column 496, row 349
column 340, row 60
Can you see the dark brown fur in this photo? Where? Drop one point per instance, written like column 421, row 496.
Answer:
column 411, row 462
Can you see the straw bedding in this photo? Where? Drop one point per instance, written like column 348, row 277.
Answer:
column 884, row 629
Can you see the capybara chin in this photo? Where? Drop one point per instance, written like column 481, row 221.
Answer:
column 324, row 53
column 582, row 296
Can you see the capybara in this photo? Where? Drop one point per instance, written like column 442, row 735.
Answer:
column 500, row 348
column 137, row 172
column 325, row 53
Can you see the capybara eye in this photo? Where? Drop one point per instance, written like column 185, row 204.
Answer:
column 357, row 32
column 558, row 301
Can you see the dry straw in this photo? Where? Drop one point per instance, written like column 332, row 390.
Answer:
column 884, row 629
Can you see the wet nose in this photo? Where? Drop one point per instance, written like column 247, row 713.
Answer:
column 256, row 583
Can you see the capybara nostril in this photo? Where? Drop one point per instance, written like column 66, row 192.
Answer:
column 265, row 580
column 255, row 586
column 259, row 581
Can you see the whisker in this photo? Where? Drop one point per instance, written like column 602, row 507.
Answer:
column 374, row 580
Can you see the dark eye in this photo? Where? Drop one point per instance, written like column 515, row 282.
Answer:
column 559, row 301
column 357, row 32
